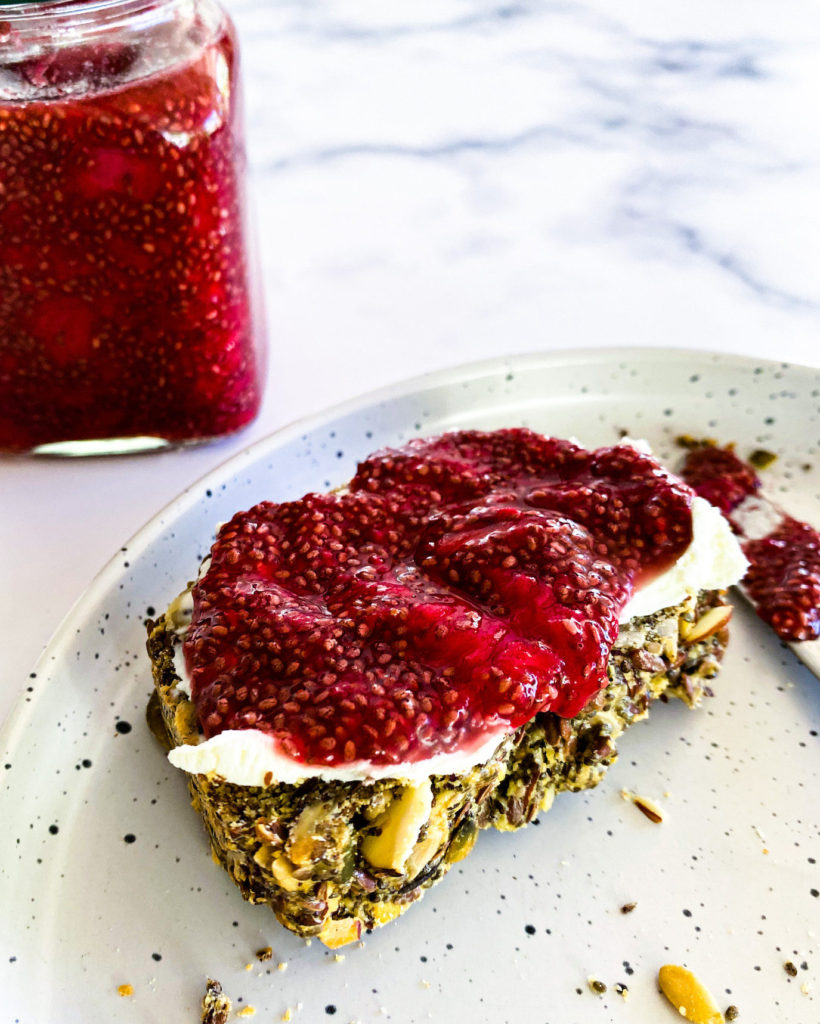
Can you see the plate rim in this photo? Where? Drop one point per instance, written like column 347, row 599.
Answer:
column 24, row 705
column 27, row 707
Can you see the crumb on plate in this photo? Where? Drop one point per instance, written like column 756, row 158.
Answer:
column 646, row 806
column 688, row 995
column 216, row 1006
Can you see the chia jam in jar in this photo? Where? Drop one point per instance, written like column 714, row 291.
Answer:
column 129, row 316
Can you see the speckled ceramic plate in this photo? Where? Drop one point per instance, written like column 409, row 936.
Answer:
column 105, row 874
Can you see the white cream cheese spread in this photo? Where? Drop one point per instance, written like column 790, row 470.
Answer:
column 249, row 757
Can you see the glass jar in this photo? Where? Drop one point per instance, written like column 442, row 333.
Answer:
column 129, row 312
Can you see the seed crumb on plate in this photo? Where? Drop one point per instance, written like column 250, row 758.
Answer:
column 646, row 806
column 216, row 1006
column 688, row 995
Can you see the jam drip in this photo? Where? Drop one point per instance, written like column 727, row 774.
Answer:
column 783, row 580
column 462, row 585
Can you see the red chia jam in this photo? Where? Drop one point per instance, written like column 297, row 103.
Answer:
column 125, row 306
column 783, row 579
column 459, row 587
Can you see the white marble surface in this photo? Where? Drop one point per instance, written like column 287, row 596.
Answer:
column 441, row 181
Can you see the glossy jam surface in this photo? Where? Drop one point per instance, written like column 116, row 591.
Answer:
column 124, row 294
column 783, row 579
column 462, row 585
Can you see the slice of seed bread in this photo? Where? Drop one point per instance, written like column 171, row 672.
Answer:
column 334, row 858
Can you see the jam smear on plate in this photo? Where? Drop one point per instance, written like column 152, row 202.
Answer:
column 459, row 586
column 124, row 298
column 783, row 579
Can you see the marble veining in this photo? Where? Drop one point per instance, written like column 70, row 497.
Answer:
column 451, row 168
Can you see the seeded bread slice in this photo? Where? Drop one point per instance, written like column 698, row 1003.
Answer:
column 333, row 858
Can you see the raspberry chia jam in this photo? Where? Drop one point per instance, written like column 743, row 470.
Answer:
column 128, row 317
column 783, row 580
column 461, row 584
